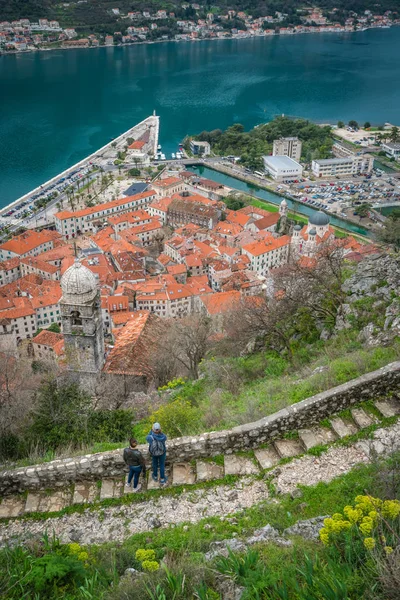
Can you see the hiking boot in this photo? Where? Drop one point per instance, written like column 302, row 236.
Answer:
column 128, row 485
column 164, row 481
column 154, row 477
column 139, row 487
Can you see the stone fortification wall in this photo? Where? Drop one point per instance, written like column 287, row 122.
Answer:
column 311, row 411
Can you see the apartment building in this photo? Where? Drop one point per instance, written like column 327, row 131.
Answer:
column 69, row 224
column 268, row 253
column 39, row 267
column 168, row 186
column 391, row 149
column 287, row 146
column 10, row 270
column 29, row 243
column 339, row 167
column 182, row 211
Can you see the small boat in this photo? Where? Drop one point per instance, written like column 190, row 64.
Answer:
column 162, row 156
column 159, row 147
column 173, row 155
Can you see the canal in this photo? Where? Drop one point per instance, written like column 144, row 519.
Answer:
column 262, row 194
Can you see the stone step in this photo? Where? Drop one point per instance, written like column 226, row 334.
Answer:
column 32, row 502
column 156, row 485
column 240, row 465
column 12, row 506
column 111, row 488
column 287, row 448
column 206, row 471
column 85, row 492
column 342, row 428
column 183, row 474
column 361, row 418
column 56, row 501
column 388, row 408
column 267, row 457
column 308, row 438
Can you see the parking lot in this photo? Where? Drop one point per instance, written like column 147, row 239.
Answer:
column 336, row 196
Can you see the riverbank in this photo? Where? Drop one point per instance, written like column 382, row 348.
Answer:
column 261, row 192
column 241, row 36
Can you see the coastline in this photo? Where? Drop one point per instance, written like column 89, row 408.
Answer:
column 317, row 30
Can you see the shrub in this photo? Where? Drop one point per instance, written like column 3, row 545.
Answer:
column 177, row 418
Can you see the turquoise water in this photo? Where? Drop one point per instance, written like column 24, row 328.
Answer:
column 57, row 107
column 257, row 192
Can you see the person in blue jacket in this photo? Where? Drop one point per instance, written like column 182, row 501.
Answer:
column 158, row 452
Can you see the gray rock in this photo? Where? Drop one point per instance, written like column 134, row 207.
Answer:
column 154, row 523
column 75, row 535
column 297, row 493
column 267, row 534
column 308, row 529
column 221, row 548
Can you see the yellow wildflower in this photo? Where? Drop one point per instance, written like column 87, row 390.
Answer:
column 150, row 565
column 391, row 509
column 369, row 543
column 143, row 554
column 388, row 550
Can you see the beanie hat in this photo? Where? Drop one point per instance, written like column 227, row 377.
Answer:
column 156, row 426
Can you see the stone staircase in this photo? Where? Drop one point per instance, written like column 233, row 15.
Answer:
column 185, row 473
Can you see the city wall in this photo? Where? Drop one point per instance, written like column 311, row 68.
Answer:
column 311, row 411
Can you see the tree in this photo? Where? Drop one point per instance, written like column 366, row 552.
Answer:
column 367, row 125
column 353, row 124
column 17, row 396
column 363, row 210
column 62, row 414
column 340, row 124
column 183, row 344
column 303, row 298
column 390, row 233
column 394, row 134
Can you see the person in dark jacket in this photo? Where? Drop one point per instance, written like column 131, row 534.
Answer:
column 135, row 461
column 158, row 452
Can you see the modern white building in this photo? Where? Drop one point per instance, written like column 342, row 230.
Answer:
column 337, row 167
column 289, row 146
column 391, row 149
column 282, row 168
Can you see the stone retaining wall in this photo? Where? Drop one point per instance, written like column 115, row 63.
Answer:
column 311, row 411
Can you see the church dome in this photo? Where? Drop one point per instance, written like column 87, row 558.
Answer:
column 297, row 228
column 78, row 284
column 319, row 218
column 312, row 232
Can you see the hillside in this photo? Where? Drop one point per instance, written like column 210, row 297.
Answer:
column 96, row 15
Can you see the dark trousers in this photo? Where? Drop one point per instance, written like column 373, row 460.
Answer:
column 158, row 462
column 134, row 473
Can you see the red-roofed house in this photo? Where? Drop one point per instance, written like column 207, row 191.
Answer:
column 69, row 224
column 48, row 345
column 268, row 254
column 168, row 186
column 29, row 243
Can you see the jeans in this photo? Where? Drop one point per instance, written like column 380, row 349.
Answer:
column 134, row 472
column 158, row 462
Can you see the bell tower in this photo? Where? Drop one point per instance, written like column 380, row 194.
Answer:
column 82, row 323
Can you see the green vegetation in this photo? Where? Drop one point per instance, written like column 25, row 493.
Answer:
column 172, row 564
column 234, row 391
column 252, row 145
column 390, row 233
column 65, row 417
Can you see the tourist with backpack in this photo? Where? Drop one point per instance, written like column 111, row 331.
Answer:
column 158, row 452
column 135, row 461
